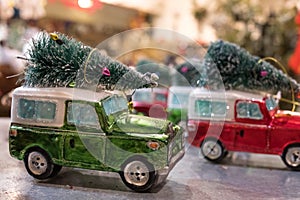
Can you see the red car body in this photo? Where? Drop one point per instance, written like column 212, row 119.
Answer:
column 250, row 123
column 151, row 102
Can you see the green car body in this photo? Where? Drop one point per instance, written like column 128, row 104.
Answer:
column 85, row 129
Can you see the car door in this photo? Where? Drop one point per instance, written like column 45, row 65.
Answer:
column 85, row 140
column 250, row 129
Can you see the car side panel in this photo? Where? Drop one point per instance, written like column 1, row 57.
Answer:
column 48, row 139
column 119, row 148
column 281, row 137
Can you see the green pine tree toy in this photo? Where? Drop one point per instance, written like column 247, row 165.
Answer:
column 243, row 71
column 55, row 60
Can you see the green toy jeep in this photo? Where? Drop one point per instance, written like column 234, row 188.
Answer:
column 55, row 127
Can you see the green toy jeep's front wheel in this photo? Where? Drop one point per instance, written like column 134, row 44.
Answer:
column 138, row 174
column 39, row 164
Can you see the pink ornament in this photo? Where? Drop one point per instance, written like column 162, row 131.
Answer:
column 106, row 71
column 184, row 69
column 263, row 73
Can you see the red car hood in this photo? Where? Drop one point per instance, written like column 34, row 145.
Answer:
column 287, row 118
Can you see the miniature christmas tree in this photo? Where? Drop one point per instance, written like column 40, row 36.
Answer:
column 55, row 60
column 191, row 72
column 242, row 71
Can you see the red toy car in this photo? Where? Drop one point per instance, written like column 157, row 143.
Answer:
column 151, row 102
column 239, row 121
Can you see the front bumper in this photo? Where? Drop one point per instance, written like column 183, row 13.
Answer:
column 164, row 172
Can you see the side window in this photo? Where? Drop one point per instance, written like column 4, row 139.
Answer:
column 26, row 108
column 45, row 110
column 36, row 110
column 219, row 108
column 82, row 115
column 248, row 110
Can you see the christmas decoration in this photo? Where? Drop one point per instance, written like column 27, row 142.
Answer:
column 56, row 60
column 244, row 122
column 242, row 71
column 54, row 124
column 52, row 127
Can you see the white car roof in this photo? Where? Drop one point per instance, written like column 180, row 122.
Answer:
column 225, row 94
column 62, row 93
column 57, row 95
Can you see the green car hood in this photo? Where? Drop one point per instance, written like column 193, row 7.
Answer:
column 137, row 125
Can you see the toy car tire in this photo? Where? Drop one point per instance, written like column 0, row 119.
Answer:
column 213, row 150
column 39, row 164
column 291, row 157
column 138, row 174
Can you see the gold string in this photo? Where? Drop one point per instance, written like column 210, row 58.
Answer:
column 293, row 102
column 289, row 101
column 84, row 73
column 22, row 72
column 15, row 75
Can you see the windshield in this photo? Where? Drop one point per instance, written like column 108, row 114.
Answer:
column 115, row 104
column 271, row 104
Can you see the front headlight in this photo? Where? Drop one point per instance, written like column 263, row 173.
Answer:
column 176, row 128
column 153, row 145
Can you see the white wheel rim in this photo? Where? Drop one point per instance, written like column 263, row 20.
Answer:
column 37, row 163
column 212, row 150
column 136, row 173
column 293, row 156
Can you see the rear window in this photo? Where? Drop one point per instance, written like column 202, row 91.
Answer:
column 205, row 108
column 36, row 110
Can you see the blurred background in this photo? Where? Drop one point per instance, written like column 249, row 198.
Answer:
column 268, row 28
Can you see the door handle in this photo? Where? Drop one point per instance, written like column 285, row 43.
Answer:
column 72, row 143
column 241, row 133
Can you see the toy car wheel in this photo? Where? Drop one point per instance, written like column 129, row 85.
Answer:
column 291, row 157
column 138, row 174
column 213, row 150
column 39, row 164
